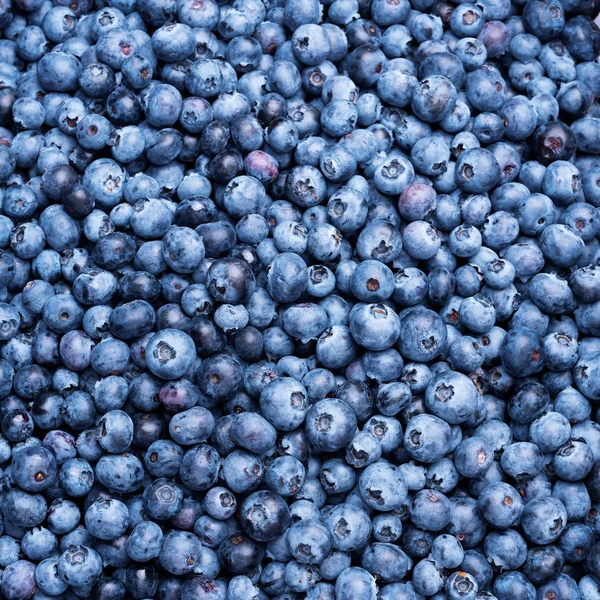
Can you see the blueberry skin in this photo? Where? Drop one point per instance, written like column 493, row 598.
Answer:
column 253, row 432
column 76, row 477
column 170, row 353
column 474, row 457
column 199, row 467
column 379, row 240
column 433, row 98
column 47, row 578
column 355, row 582
column 305, row 321
column 80, row 566
column 330, row 424
column 180, row 552
column 587, row 586
column 39, row 543
column 573, row 461
column 452, row 397
column 151, row 218
column 477, row 170
column 285, row 476
column 114, row 251
column 374, row 326
column 447, row 551
column 193, row 588
column 427, row 577
column 513, row 582
column 336, row 476
column 584, row 375
column 387, row 561
column 219, row 376
column 544, row 19
column 183, row 249
column 107, row 519
column 550, row 431
column 392, row 590
column 240, row 554
column 115, row 431
column 310, row 541
column 422, row 334
column 17, row 425
column 551, row 294
column 18, row 580
column 206, row 279
column 382, row 487
column 562, row 584
column 529, row 402
column 34, row 469
column 521, row 459
column 500, row 503
column 284, row 403
column 162, row 499
column 120, row 473
column 230, row 280
column 567, row 254
column 110, row 357
column 59, row 72
column 163, row 458
column 522, row 344
column 427, row 438
column 240, row 586
column 543, row 520
column 220, row 503
column 542, row 563
column 287, row 277
column 191, row 426
column 23, row 509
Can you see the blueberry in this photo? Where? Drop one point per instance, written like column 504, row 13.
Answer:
column 452, row 397
column 422, row 334
column 59, row 72
column 461, row 585
column 374, row 326
column 18, row 580
column 240, row 554
column 553, row 141
column 513, row 582
column 544, row 520
column 170, row 353
column 572, row 461
column 35, row 469
column 545, row 19
column 253, row 432
column 107, row 519
column 519, row 343
column 122, row 472
column 180, row 552
column 355, row 582
column 529, row 402
column 80, row 566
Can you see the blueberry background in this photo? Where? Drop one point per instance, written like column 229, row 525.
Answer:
column 299, row 299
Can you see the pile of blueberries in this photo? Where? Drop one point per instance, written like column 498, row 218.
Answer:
column 299, row 299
